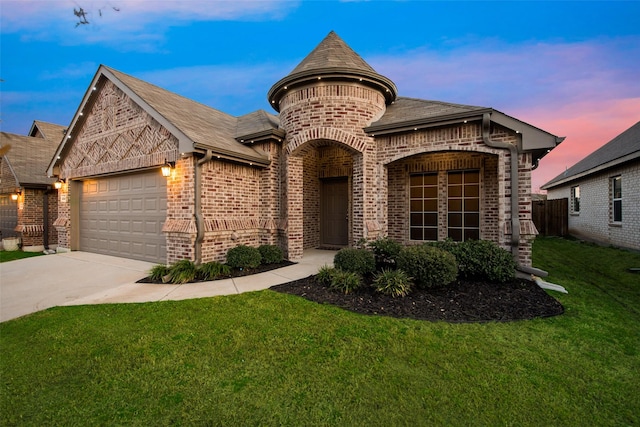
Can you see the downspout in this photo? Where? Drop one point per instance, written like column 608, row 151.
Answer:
column 197, row 183
column 45, row 219
column 515, row 189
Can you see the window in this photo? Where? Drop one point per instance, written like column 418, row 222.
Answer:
column 616, row 199
column 463, row 205
column 575, row 199
column 424, row 207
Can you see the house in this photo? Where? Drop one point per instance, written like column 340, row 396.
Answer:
column 603, row 190
column 28, row 201
column 343, row 158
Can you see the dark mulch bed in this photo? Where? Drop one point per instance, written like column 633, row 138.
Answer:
column 459, row 302
column 236, row 273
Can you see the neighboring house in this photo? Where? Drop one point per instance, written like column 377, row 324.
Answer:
column 604, row 192
column 28, row 201
column 344, row 159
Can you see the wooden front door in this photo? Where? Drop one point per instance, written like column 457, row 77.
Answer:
column 334, row 212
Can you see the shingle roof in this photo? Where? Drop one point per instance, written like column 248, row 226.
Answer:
column 29, row 157
column 205, row 126
column 405, row 111
column 332, row 59
column 333, row 53
column 622, row 148
column 257, row 124
column 49, row 131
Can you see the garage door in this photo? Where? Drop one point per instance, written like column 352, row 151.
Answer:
column 8, row 216
column 123, row 215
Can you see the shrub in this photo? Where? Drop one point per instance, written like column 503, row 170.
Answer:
column 385, row 252
column 213, row 270
column 158, row 273
column 396, row 283
column 484, row 260
column 345, row 281
column 183, row 271
column 271, row 254
column 429, row 266
column 243, row 256
column 359, row 261
column 325, row 275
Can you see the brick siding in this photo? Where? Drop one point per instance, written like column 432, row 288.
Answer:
column 594, row 221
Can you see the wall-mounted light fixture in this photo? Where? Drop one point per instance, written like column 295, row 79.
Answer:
column 167, row 168
column 16, row 195
column 58, row 184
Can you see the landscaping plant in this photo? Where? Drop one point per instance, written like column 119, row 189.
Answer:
column 183, row 271
column 271, row 254
column 345, row 281
column 213, row 270
column 484, row 260
column 243, row 257
column 429, row 266
column 359, row 261
column 386, row 252
column 396, row 283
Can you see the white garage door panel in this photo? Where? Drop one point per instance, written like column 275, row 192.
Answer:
column 123, row 216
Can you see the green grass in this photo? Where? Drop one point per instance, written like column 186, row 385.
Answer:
column 12, row 255
column 266, row 358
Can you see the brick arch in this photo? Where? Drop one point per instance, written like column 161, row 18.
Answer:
column 430, row 150
column 326, row 133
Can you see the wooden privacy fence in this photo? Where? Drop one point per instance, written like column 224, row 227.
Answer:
column 551, row 217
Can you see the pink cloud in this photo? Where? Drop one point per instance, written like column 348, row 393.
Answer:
column 587, row 125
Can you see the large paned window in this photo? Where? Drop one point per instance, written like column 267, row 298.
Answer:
column 616, row 199
column 463, row 204
column 575, row 199
column 424, row 206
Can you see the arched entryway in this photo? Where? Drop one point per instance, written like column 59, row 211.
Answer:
column 320, row 195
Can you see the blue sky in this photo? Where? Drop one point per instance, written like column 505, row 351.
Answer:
column 571, row 68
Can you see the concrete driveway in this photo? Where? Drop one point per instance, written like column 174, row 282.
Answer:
column 77, row 278
column 33, row 284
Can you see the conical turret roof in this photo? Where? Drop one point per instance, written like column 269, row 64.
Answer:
column 332, row 59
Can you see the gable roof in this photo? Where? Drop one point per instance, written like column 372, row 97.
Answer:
column 409, row 114
column 332, row 59
column 49, row 131
column 28, row 158
column 195, row 125
column 621, row 149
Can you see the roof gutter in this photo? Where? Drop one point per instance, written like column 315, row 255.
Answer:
column 515, row 188
column 197, row 183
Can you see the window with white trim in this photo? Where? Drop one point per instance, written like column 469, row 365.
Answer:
column 616, row 199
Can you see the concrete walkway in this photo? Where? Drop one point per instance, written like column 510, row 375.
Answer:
column 78, row 278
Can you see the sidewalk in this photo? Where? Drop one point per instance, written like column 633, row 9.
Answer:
column 76, row 278
column 312, row 260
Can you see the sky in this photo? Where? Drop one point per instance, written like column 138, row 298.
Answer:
column 570, row 68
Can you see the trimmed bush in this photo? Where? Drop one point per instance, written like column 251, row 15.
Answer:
column 345, row 281
column 429, row 266
column 243, row 256
column 385, row 252
column 484, row 260
column 183, row 271
column 158, row 273
column 396, row 283
column 271, row 254
column 359, row 261
column 213, row 270
column 325, row 275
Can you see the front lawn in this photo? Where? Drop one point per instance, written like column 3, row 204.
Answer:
column 13, row 255
column 266, row 358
